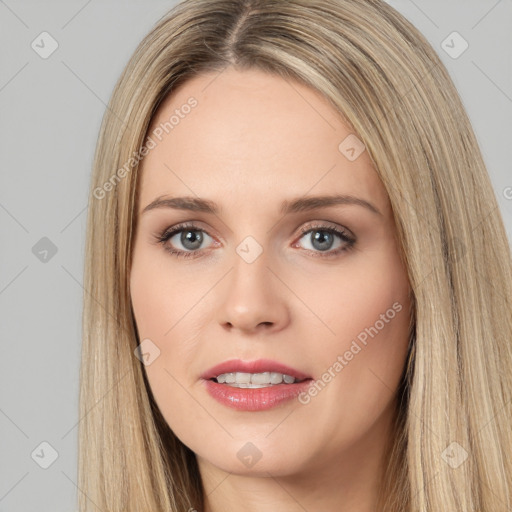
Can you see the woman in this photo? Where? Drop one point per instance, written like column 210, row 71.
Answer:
column 299, row 283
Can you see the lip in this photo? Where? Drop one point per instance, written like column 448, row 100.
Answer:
column 257, row 399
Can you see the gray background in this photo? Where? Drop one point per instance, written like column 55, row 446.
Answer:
column 50, row 111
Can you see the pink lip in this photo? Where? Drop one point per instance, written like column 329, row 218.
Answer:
column 258, row 399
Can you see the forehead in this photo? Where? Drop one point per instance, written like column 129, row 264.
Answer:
column 227, row 134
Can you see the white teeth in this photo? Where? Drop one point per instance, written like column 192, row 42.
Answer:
column 258, row 378
column 254, row 380
column 243, row 378
column 276, row 378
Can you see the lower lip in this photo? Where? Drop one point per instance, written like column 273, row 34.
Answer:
column 257, row 399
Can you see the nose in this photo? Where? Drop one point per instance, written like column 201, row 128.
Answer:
column 253, row 299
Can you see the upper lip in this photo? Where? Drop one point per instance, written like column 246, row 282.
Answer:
column 257, row 366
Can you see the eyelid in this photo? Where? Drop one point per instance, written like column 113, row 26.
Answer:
column 325, row 224
column 193, row 225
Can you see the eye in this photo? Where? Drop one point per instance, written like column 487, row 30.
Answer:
column 322, row 238
column 189, row 236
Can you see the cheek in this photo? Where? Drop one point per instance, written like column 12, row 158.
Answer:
column 162, row 304
column 160, row 294
column 349, row 302
column 362, row 360
column 168, row 304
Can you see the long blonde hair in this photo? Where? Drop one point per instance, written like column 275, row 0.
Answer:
column 392, row 90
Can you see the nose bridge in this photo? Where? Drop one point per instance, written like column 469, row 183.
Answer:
column 250, row 273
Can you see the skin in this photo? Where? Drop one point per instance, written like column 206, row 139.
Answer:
column 253, row 141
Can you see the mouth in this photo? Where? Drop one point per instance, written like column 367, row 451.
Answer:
column 254, row 385
column 258, row 372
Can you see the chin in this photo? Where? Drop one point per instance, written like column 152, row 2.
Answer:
column 254, row 458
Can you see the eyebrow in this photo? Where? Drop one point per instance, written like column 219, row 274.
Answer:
column 300, row 204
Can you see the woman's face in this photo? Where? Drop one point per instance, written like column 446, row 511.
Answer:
column 273, row 278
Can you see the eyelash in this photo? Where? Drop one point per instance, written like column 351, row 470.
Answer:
column 167, row 234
